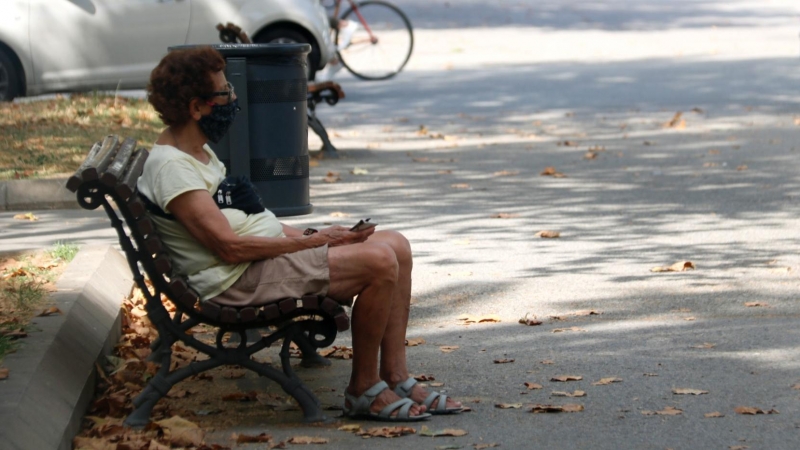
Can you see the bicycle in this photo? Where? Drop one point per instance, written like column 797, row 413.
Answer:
column 379, row 45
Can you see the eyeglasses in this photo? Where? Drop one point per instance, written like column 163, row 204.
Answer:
column 228, row 93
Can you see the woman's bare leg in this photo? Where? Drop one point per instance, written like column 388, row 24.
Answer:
column 371, row 272
column 394, row 367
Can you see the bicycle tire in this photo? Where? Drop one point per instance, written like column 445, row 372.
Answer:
column 356, row 66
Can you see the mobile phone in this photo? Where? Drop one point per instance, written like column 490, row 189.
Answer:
column 363, row 225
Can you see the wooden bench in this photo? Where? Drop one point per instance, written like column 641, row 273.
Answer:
column 108, row 178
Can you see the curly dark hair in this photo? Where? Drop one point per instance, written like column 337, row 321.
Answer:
column 181, row 76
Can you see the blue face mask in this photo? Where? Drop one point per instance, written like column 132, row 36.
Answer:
column 216, row 124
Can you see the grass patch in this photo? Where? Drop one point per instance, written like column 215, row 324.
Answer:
column 49, row 138
column 64, row 251
column 25, row 283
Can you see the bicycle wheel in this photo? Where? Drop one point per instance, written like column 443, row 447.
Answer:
column 383, row 54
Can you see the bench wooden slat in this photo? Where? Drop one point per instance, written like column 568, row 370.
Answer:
column 330, row 306
column 163, row 264
column 271, row 311
column 136, row 207
column 111, row 175
column 228, row 315
column 76, row 180
column 154, row 245
column 310, row 302
column 101, row 159
column 188, row 299
column 178, row 286
column 210, row 309
column 342, row 321
column 248, row 314
column 288, row 305
column 145, row 226
column 127, row 183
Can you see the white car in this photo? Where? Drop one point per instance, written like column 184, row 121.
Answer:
column 79, row 45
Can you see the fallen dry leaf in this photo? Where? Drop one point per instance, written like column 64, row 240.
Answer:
column 503, row 216
column 567, row 144
column 425, row 431
column 750, row 410
column 483, row 446
column 552, row 172
column 479, row 319
column 680, row 266
column 756, row 305
column 435, row 384
column 547, row 361
column 503, row 361
column 27, row 216
column 530, row 321
column 506, row 173
column 545, row 234
column 587, row 312
column 234, row 374
column 241, row 397
column 337, row 352
column 668, row 411
column 741, row 168
column 508, row 405
column 359, row 171
column 570, row 407
column 677, row 122
column 590, row 155
column 565, row 378
column 796, row 387
column 713, row 414
column 49, row 312
column 532, row 386
column 339, row 214
column 305, row 440
column 704, row 345
column 332, row 177
column 413, row 342
column 688, row 391
column 3, row 373
column 460, row 186
column 246, row 438
column 568, row 394
column 424, row 377
column 650, row 374
column 690, row 319
column 564, row 330
column 607, row 381
column 181, row 432
column 386, row 432
column 448, row 348
column 351, row 428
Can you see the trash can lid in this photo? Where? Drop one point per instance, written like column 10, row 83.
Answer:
column 254, row 49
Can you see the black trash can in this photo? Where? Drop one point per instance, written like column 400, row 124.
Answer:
column 268, row 141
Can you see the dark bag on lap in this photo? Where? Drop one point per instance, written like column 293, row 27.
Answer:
column 234, row 192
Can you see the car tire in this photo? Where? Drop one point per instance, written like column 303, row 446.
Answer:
column 285, row 35
column 9, row 78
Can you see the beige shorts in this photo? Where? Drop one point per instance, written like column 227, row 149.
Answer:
column 287, row 276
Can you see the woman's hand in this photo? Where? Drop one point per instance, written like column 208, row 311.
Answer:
column 338, row 235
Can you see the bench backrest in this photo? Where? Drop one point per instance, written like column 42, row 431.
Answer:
column 110, row 172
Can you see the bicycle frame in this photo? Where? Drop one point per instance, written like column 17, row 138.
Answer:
column 354, row 7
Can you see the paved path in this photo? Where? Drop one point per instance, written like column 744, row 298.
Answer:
column 503, row 83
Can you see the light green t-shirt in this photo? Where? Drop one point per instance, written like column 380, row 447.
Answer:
column 168, row 173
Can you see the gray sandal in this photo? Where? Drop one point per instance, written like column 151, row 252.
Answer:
column 360, row 407
column 404, row 391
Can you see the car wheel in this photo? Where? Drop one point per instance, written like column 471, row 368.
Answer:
column 9, row 78
column 284, row 35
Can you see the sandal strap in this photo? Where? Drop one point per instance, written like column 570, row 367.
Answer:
column 441, row 406
column 404, row 405
column 403, row 390
column 363, row 402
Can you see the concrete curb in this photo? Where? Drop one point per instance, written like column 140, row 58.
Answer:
column 52, row 378
column 16, row 195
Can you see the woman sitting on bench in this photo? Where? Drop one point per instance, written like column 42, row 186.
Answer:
column 236, row 253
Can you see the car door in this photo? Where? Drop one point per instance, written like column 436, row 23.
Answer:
column 102, row 44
